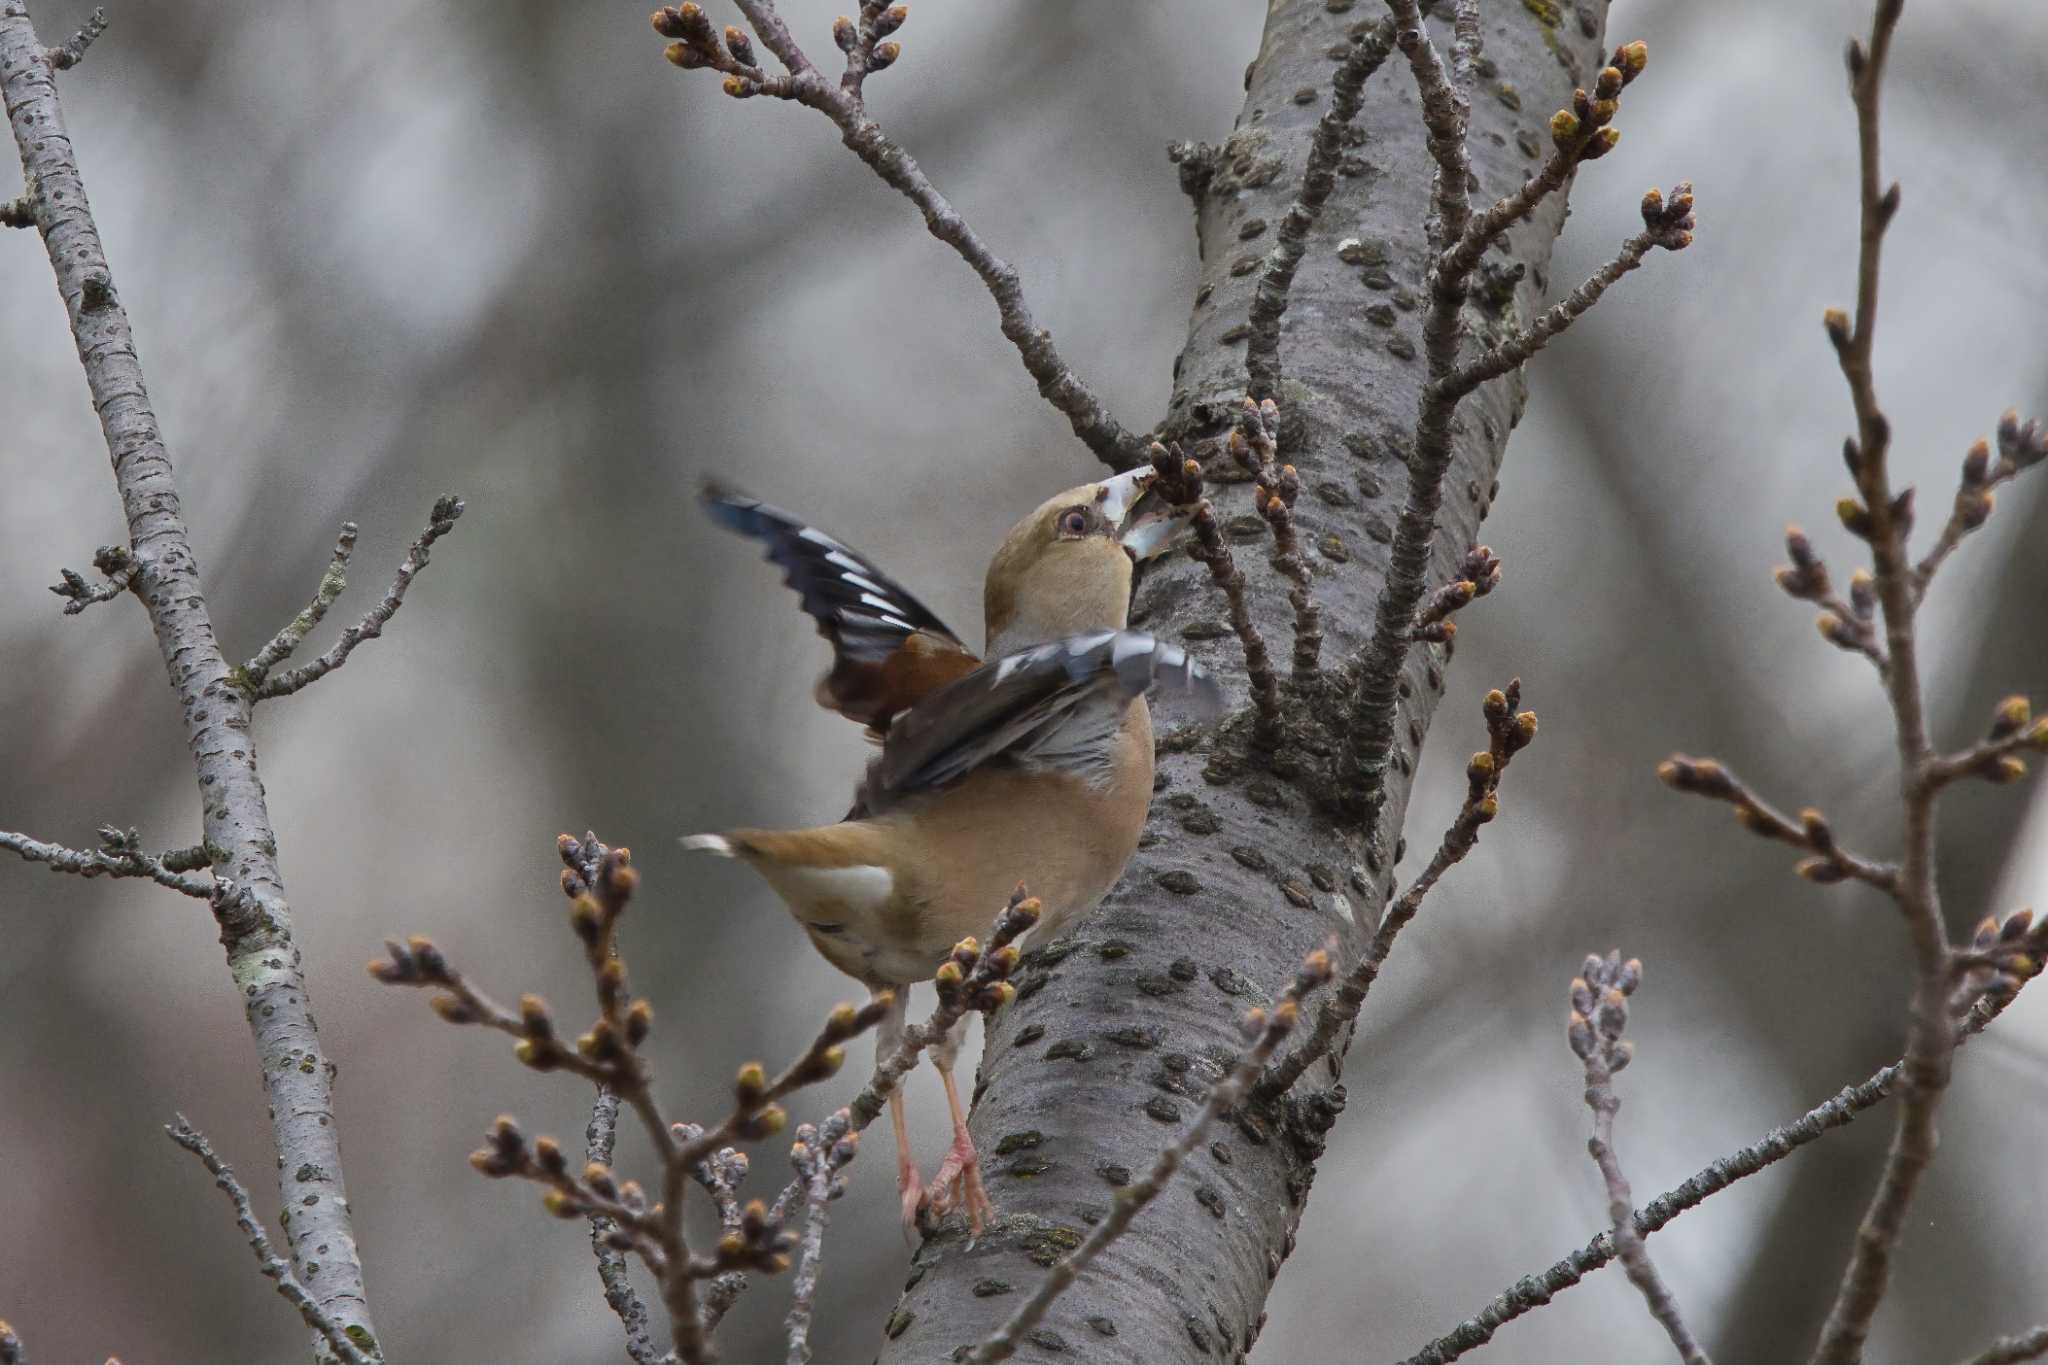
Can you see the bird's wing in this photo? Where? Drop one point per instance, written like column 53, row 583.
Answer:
column 888, row 649
column 1055, row 705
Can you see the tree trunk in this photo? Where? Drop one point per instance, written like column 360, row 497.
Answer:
column 1119, row 1029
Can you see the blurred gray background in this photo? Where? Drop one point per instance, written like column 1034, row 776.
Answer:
column 378, row 251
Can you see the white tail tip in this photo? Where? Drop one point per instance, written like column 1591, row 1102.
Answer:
column 708, row 843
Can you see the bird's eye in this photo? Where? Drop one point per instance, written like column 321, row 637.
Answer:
column 1074, row 521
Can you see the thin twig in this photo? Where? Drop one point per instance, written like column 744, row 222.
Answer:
column 1509, row 732
column 1599, row 1015
column 442, row 521
column 116, row 859
column 1885, row 522
column 2030, row 1345
column 273, row 1266
column 1534, row 1291
column 1830, row 862
column 2020, row 446
column 71, row 53
column 295, row 631
column 1672, row 231
column 842, row 101
column 1255, row 444
column 1326, row 149
column 1213, row 552
column 1849, row 625
column 1266, row 1031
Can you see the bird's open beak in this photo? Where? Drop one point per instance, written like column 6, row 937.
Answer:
column 1146, row 522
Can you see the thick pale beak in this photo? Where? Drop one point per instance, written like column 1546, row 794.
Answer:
column 1146, row 522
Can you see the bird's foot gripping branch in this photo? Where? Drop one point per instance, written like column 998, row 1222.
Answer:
column 627, row 1217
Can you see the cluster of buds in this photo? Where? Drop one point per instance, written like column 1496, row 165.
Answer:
column 974, row 978
column 1178, row 475
column 593, row 1191
column 1850, row 625
column 862, row 40
column 1585, row 130
column 1858, row 522
column 1478, row 575
column 759, row 1240
column 822, row 1150
column 2020, row 446
column 1509, row 731
column 2012, row 726
column 1669, row 221
column 1266, row 1028
column 699, row 43
column 1255, row 445
column 1599, row 1017
column 2000, row 959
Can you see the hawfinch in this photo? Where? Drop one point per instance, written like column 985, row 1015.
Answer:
column 1034, row 766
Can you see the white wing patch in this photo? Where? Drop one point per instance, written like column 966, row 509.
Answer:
column 860, row 889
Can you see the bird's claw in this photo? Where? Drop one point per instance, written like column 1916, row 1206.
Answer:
column 957, row 1185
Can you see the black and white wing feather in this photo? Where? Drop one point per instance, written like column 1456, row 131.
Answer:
column 1054, row 706
column 888, row 648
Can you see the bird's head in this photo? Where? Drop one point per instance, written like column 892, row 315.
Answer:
column 1065, row 569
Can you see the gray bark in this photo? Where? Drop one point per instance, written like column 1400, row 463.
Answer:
column 1120, row 1028
column 255, row 922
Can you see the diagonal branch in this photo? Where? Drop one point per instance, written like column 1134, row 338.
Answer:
column 295, row 631
column 120, row 568
column 70, row 53
column 2031, row 1345
column 273, row 1266
column 697, row 45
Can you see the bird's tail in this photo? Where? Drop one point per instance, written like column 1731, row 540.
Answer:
column 710, row 843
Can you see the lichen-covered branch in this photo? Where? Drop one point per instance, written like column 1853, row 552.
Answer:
column 1265, row 1030
column 1509, row 731
column 255, row 922
column 338, row 1338
column 820, row 1153
column 698, row 44
column 262, row 684
column 119, row 855
column 2014, row 1349
column 1599, row 1016
column 599, row 1138
column 71, row 52
column 112, row 560
column 1534, row 1291
column 1276, row 273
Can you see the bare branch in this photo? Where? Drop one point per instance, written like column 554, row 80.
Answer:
column 274, row 1267
column 254, row 916
column 2031, row 1345
column 1509, row 731
column 71, row 53
column 1995, row 758
column 1885, row 520
column 1534, row 1291
column 1599, row 1015
column 1276, row 275
column 299, row 627
column 262, row 688
column 120, row 855
column 1265, row 1030
column 1445, row 111
column 1830, row 862
column 18, row 213
column 697, row 45
column 115, row 562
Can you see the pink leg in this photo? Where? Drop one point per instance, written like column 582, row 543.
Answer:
column 957, row 1182
column 908, row 1186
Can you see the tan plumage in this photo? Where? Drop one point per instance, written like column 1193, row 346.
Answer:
column 1035, row 767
